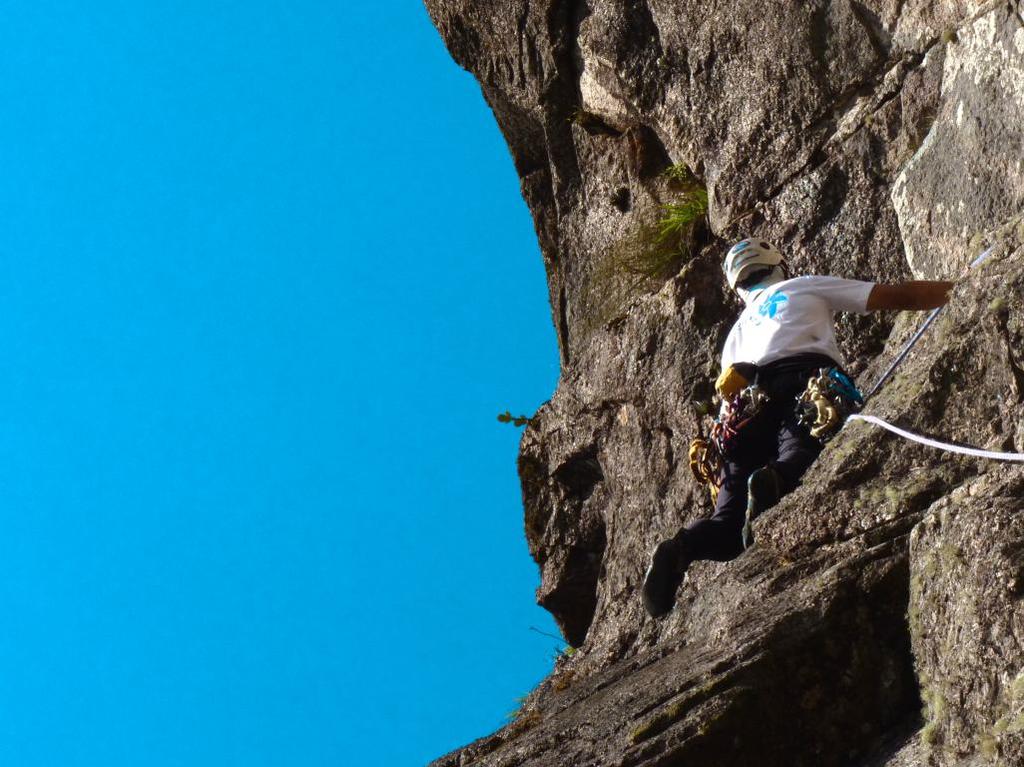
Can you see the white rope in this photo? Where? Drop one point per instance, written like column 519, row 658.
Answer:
column 962, row 449
column 935, row 443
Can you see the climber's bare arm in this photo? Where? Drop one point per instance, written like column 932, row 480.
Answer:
column 917, row 294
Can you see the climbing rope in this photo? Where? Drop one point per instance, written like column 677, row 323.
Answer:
column 947, row 446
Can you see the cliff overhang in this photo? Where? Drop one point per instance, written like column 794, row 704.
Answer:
column 878, row 620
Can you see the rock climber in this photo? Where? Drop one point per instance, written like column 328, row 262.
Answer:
column 783, row 337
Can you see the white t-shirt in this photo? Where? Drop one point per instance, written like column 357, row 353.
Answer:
column 793, row 317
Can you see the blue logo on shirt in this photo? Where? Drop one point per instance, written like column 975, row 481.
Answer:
column 771, row 305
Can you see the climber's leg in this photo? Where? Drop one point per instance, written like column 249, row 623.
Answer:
column 797, row 450
column 718, row 537
column 764, row 488
column 665, row 574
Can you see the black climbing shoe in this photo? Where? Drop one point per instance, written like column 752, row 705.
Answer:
column 764, row 487
column 664, row 575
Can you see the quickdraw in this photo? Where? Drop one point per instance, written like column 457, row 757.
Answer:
column 706, row 464
column 830, row 397
column 737, row 413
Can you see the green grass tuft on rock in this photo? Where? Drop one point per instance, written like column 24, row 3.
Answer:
column 654, row 252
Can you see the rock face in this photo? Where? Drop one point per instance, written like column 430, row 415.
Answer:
column 879, row 619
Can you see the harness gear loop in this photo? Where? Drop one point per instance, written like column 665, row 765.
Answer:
column 737, row 413
column 708, row 454
column 705, row 460
column 830, row 397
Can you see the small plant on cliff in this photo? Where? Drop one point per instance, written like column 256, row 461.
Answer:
column 657, row 248
column 558, row 654
column 654, row 251
column 515, row 713
column 680, row 176
column 680, row 218
column 515, row 420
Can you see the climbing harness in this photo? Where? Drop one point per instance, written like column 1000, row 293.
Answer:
column 737, row 413
column 830, row 397
column 708, row 453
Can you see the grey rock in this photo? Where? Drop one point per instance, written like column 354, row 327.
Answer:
column 968, row 174
column 877, row 140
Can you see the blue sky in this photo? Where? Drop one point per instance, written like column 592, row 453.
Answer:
column 266, row 281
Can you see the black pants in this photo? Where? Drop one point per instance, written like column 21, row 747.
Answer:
column 774, row 438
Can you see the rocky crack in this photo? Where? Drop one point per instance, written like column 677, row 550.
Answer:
column 850, row 103
column 521, row 33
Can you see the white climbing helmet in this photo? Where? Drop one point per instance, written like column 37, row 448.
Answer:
column 746, row 256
